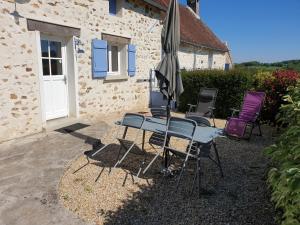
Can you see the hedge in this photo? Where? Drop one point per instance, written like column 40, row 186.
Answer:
column 233, row 84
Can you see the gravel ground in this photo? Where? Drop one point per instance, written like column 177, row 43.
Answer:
column 119, row 197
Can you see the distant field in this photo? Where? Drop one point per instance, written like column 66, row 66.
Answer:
column 290, row 64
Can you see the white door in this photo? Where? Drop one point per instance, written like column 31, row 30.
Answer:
column 54, row 77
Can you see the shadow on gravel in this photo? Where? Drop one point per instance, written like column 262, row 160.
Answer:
column 240, row 198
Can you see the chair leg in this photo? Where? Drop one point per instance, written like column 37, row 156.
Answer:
column 145, row 154
column 166, row 156
column 124, row 156
column 99, row 174
column 213, row 118
column 183, row 166
column 199, row 174
column 194, row 179
column 218, row 159
column 259, row 128
column 251, row 131
column 88, row 162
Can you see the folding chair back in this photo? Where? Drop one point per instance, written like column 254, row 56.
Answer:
column 157, row 138
column 253, row 102
column 200, row 120
column 130, row 120
column 181, row 128
column 206, row 100
column 159, row 112
column 133, row 120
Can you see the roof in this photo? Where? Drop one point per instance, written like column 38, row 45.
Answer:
column 192, row 29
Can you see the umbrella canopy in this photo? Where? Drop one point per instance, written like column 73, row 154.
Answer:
column 168, row 70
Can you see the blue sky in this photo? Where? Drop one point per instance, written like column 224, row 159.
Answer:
column 262, row 30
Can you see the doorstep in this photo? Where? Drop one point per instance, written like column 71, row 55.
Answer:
column 62, row 122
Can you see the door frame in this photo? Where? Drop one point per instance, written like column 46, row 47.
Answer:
column 72, row 84
column 64, row 58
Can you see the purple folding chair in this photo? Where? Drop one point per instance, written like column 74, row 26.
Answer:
column 248, row 116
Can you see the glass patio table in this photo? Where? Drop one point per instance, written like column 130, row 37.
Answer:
column 202, row 135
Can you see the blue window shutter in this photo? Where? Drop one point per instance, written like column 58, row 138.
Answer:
column 131, row 60
column 99, row 58
column 113, row 7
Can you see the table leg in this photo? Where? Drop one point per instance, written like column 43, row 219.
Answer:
column 198, row 172
column 143, row 149
column 125, row 132
column 166, row 154
column 143, row 143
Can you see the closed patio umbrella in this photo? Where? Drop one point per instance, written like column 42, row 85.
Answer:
column 168, row 70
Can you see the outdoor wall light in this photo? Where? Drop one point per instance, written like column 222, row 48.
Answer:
column 15, row 13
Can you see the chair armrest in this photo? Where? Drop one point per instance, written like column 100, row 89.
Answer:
column 234, row 111
column 257, row 116
column 191, row 106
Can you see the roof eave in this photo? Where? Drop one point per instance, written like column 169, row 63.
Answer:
column 155, row 4
column 204, row 46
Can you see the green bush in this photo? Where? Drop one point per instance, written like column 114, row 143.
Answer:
column 261, row 76
column 284, row 176
column 275, row 88
column 232, row 85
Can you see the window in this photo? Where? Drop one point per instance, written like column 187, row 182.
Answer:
column 113, row 59
column 112, row 7
column 51, row 58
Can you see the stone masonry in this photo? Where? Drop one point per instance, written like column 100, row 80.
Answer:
column 20, row 93
column 20, row 108
column 192, row 58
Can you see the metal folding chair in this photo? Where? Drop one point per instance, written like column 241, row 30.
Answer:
column 156, row 140
column 160, row 112
column 135, row 121
column 181, row 129
column 206, row 104
column 205, row 148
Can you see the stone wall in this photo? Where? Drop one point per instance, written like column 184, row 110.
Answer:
column 196, row 58
column 20, row 98
column 21, row 112
column 218, row 60
column 19, row 85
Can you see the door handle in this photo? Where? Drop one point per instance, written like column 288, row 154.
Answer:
column 65, row 79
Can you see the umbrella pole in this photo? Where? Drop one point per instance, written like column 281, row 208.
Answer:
column 166, row 153
column 168, row 109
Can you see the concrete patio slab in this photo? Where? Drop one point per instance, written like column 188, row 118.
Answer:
column 30, row 170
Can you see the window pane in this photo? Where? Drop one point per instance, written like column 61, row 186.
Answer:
column 55, row 49
column 114, row 59
column 56, row 66
column 44, row 48
column 45, row 63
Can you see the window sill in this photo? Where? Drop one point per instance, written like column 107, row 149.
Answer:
column 111, row 78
